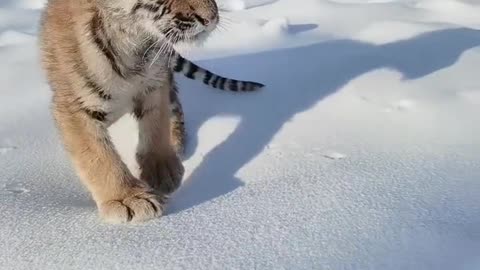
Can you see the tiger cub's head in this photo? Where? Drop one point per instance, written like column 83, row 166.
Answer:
column 176, row 20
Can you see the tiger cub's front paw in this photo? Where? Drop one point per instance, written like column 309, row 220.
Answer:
column 162, row 172
column 139, row 206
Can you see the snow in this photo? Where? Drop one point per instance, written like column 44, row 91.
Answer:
column 234, row 5
column 363, row 151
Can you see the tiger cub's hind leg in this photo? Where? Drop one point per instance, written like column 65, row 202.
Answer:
column 177, row 123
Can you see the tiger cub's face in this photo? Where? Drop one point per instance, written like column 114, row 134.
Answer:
column 176, row 20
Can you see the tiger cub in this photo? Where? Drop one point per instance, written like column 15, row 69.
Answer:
column 106, row 58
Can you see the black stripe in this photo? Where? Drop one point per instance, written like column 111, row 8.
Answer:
column 148, row 7
column 149, row 90
column 137, row 108
column 107, row 49
column 208, row 77
column 222, row 83
column 169, row 4
column 98, row 115
column 136, row 7
column 139, row 111
column 176, row 110
column 139, row 55
column 183, row 18
column 95, row 88
column 172, row 95
column 215, row 81
column 174, row 88
column 164, row 10
column 130, row 213
column 151, row 7
column 244, row 86
column 179, row 66
column 233, row 85
column 89, row 81
column 191, row 71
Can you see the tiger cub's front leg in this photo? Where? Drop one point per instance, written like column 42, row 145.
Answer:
column 119, row 196
column 159, row 163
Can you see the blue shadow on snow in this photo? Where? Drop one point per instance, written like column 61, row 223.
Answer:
column 293, row 88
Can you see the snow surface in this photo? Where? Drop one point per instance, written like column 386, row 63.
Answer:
column 363, row 151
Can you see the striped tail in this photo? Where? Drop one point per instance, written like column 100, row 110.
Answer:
column 194, row 72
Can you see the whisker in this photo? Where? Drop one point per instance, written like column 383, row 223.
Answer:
column 228, row 19
column 221, row 27
column 170, row 55
column 167, row 44
column 148, row 37
column 155, row 57
column 166, row 48
column 148, row 49
column 131, row 43
column 159, row 52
